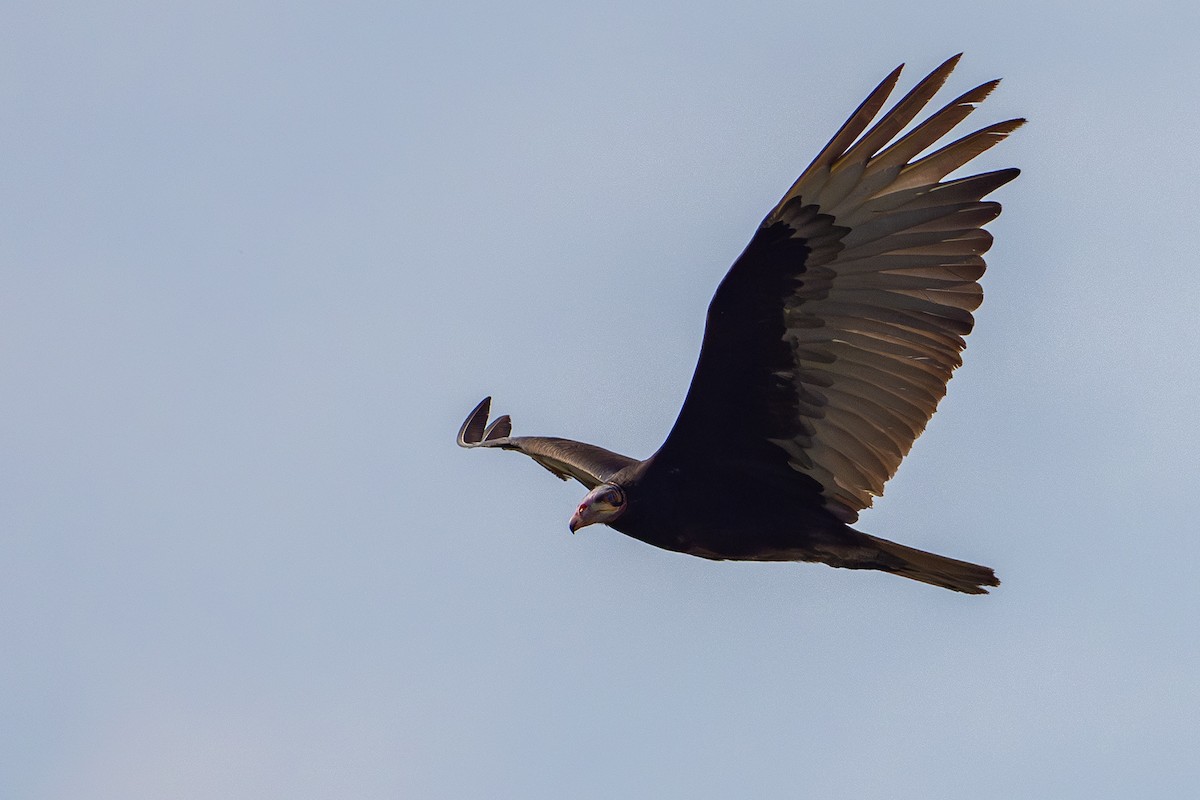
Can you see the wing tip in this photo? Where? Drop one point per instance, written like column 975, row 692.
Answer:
column 475, row 428
column 500, row 429
column 947, row 66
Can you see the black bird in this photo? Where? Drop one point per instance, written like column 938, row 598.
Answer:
column 827, row 348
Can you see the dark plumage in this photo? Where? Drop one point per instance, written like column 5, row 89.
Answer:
column 827, row 348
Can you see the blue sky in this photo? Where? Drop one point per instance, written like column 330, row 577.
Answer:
column 259, row 261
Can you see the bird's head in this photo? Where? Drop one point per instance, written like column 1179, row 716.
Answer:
column 603, row 504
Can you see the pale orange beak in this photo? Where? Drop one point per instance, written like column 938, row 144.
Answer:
column 581, row 518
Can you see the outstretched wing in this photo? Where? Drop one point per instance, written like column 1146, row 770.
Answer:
column 833, row 335
column 586, row 463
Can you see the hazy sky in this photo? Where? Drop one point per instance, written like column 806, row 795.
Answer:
column 259, row 261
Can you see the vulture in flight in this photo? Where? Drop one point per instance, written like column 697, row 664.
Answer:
column 827, row 347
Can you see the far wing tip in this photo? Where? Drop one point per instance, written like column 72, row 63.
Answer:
column 474, row 428
column 500, row 429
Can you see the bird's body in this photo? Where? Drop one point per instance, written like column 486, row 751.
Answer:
column 701, row 512
column 826, row 349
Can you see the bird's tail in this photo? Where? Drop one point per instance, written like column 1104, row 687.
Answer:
column 950, row 573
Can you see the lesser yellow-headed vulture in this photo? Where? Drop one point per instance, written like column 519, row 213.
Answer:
column 827, row 348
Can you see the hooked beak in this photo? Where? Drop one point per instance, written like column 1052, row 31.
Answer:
column 581, row 518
